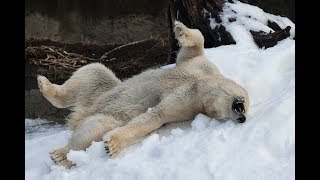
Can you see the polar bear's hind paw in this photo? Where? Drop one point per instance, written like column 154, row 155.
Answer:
column 59, row 157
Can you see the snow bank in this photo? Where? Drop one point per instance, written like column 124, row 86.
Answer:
column 262, row 148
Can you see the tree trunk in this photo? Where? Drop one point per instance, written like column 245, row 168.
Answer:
column 197, row 14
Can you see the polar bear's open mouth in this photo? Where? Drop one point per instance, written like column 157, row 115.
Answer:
column 238, row 107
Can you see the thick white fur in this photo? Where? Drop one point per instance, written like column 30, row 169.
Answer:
column 104, row 108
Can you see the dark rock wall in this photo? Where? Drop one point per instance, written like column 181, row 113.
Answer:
column 95, row 21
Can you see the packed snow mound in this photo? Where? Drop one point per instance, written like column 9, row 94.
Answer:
column 262, row 148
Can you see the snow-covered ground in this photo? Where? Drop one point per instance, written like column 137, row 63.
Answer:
column 262, row 148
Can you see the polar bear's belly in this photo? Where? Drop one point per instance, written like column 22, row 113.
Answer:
column 127, row 102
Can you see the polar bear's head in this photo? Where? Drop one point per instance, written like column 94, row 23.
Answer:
column 224, row 100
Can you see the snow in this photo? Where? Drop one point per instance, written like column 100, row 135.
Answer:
column 203, row 148
column 252, row 18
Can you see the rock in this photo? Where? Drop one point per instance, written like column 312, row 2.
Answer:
column 36, row 106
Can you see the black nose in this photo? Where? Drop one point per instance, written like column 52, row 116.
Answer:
column 241, row 119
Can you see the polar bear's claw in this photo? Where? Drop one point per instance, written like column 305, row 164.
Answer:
column 113, row 144
column 59, row 157
column 107, row 149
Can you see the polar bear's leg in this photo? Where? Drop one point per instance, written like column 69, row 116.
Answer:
column 51, row 92
column 93, row 128
column 77, row 117
column 175, row 107
column 96, row 79
column 190, row 40
column 86, row 83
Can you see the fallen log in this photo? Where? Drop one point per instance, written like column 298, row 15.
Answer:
column 266, row 40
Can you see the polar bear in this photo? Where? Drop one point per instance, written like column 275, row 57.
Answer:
column 104, row 108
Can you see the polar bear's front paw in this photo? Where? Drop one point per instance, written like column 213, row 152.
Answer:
column 183, row 35
column 179, row 29
column 59, row 157
column 112, row 143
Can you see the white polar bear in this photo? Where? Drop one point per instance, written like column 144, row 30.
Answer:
column 104, row 108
